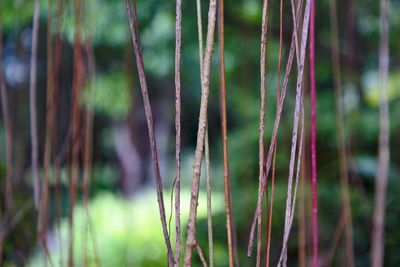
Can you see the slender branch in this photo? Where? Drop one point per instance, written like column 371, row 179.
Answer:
column 206, row 145
column 150, row 124
column 178, row 36
column 340, row 136
column 378, row 245
column 191, row 238
column 268, row 245
column 33, row 110
column 78, row 83
column 225, row 131
column 44, row 199
column 201, row 255
column 209, row 213
column 313, row 134
column 274, row 133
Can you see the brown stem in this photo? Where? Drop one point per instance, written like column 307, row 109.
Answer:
column 340, row 135
column 178, row 35
column 224, row 130
column 201, row 255
column 191, row 238
column 274, row 133
column 150, row 124
column 78, row 83
column 44, row 199
column 32, row 105
column 206, row 145
column 377, row 240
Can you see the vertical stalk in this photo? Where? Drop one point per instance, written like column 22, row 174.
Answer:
column 268, row 245
column 78, row 82
column 341, row 138
column 378, row 233
column 32, row 105
column 178, row 36
column 134, row 27
column 206, row 144
column 313, row 134
column 191, row 239
column 225, row 130
column 44, row 199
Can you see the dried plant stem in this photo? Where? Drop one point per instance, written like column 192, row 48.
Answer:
column 225, row 131
column 191, row 238
column 274, row 135
column 178, row 36
column 150, row 123
column 378, row 245
column 336, row 238
column 78, row 83
column 209, row 213
column 290, row 207
column 268, row 245
column 313, row 134
column 261, row 156
column 206, row 144
column 44, row 199
column 341, row 138
column 201, row 255
column 32, row 105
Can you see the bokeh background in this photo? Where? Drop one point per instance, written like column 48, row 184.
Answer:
column 124, row 215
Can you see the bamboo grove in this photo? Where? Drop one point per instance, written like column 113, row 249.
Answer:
column 69, row 150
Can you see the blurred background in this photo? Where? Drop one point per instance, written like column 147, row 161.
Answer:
column 125, row 225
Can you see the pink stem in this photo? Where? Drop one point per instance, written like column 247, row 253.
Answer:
column 313, row 135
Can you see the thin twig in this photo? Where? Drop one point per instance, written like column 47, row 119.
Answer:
column 44, row 199
column 342, row 153
column 274, row 133
column 78, row 83
column 150, row 123
column 225, row 131
column 378, row 245
column 33, row 110
column 313, row 134
column 191, row 238
column 269, row 229
column 206, row 144
column 178, row 36
column 201, row 255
